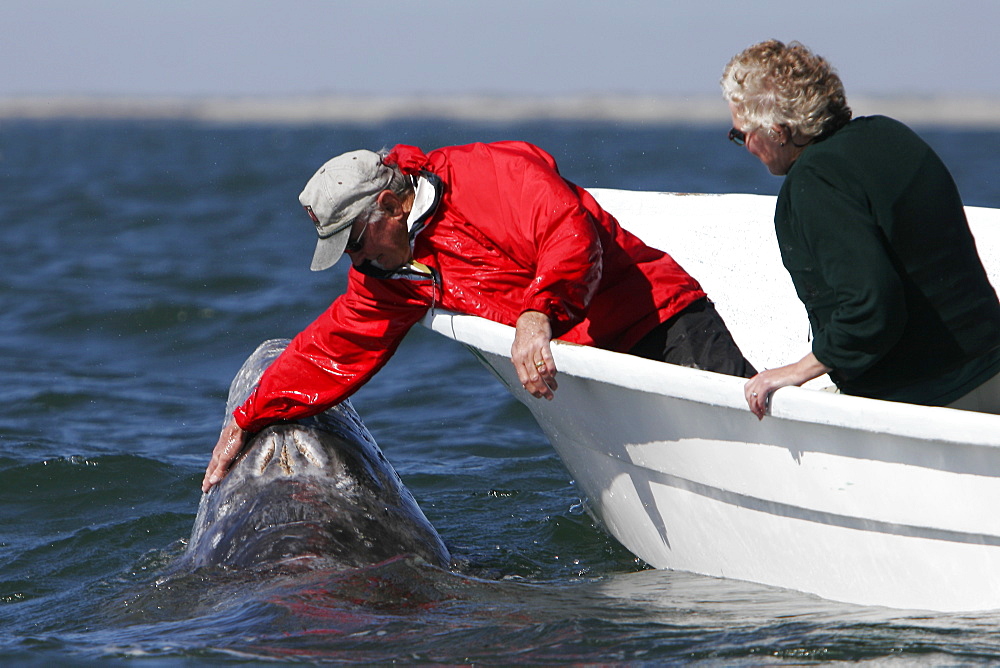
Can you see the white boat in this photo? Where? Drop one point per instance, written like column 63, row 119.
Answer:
column 855, row 500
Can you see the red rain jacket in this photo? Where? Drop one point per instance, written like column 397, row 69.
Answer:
column 508, row 235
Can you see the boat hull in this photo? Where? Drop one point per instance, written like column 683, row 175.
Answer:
column 851, row 499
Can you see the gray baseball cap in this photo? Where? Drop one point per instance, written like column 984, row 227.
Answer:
column 337, row 194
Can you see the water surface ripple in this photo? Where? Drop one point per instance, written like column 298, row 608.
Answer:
column 143, row 262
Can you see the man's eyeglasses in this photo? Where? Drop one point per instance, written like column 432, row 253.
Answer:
column 738, row 137
column 354, row 245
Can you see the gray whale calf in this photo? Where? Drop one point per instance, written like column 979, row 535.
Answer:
column 316, row 493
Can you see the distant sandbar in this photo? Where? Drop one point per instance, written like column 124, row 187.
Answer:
column 946, row 111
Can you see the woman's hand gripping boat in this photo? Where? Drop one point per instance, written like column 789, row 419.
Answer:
column 851, row 499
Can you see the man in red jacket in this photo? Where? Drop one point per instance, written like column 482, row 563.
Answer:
column 486, row 229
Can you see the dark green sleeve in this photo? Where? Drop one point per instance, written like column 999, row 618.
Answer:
column 842, row 272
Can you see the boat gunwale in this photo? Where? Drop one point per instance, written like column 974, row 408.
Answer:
column 797, row 404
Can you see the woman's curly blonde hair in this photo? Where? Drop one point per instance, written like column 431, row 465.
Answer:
column 771, row 83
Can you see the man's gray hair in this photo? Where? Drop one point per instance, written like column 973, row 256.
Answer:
column 400, row 184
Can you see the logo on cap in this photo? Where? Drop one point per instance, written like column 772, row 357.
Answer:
column 312, row 215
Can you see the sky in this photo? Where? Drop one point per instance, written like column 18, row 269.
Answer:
column 235, row 48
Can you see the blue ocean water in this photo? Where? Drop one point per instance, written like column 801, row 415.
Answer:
column 143, row 261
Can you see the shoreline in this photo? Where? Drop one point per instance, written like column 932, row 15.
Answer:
column 958, row 112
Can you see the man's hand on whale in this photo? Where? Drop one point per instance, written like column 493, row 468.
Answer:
column 231, row 441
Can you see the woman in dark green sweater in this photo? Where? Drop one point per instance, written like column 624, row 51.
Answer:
column 872, row 230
